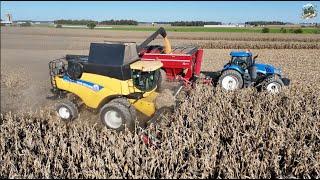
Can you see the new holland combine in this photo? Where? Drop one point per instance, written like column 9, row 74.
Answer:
column 123, row 79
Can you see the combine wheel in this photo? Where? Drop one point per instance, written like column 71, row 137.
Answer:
column 231, row 80
column 162, row 79
column 116, row 115
column 272, row 84
column 67, row 110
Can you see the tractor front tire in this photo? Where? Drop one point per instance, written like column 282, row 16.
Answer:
column 231, row 80
column 115, row 115
column 272, row 84
column 67, row 110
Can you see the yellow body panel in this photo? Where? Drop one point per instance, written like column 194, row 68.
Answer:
column 145, row 105
column 92, row 89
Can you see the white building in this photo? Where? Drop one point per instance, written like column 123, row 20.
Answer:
column 225, row 25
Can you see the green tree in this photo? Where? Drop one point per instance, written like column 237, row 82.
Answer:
column 91, row 25
column 297, row 31
column 265, row 30
column 283, row 30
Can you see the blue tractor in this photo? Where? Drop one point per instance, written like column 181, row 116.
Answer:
column 243, row 71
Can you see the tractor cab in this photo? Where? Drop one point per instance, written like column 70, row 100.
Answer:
column 242, row 59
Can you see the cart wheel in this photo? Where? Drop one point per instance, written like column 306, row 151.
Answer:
column 115, row 115
column 67, row 110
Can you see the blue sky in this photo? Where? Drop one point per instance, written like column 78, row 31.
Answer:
column 224, row 11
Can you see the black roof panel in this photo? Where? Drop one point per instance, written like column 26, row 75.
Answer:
column 113, row 54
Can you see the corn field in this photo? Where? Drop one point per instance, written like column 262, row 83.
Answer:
column 243, row 134
column 211, row 134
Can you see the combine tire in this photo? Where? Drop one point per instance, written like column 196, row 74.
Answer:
column 67, row 110
column 162, row 79
column 116, row 115
column 126, row 103
column 231, row 80
column 272, row 84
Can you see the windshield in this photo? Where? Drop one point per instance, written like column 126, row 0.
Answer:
column 241, row 61
column 145, row 81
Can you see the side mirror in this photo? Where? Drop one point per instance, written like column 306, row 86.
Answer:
column 254, row 58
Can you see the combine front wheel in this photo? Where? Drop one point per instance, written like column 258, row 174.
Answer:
column 115, row 115
column 67, row 110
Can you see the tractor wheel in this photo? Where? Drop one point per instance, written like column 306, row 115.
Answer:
column 115, row 115
column 231, row 80
column 162, row 79
column 67, row 110
column 272, row 84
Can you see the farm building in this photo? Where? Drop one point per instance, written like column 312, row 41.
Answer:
column 225, row 25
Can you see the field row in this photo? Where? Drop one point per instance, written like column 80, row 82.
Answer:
column 83, row 43
column 85, row 33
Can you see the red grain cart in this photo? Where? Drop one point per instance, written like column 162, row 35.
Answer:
column 179, row 63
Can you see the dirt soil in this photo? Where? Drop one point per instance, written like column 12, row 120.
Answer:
column 25, row 53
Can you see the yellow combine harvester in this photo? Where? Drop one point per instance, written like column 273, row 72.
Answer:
column 112, row 79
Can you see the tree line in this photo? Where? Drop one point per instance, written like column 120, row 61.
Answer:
column 259, row 23
column 119, row 22
column 133, row 22
column 107, row 22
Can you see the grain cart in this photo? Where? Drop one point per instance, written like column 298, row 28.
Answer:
column 179, row 63
column 112, row 80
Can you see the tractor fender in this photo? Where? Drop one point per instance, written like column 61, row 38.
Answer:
column 233, row 67
column 137, row 95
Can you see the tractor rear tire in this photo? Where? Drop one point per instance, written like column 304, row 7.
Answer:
column 231, row 80
column 67, row 110
column 272, row 84
column 115, row 115
column 162, row 79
